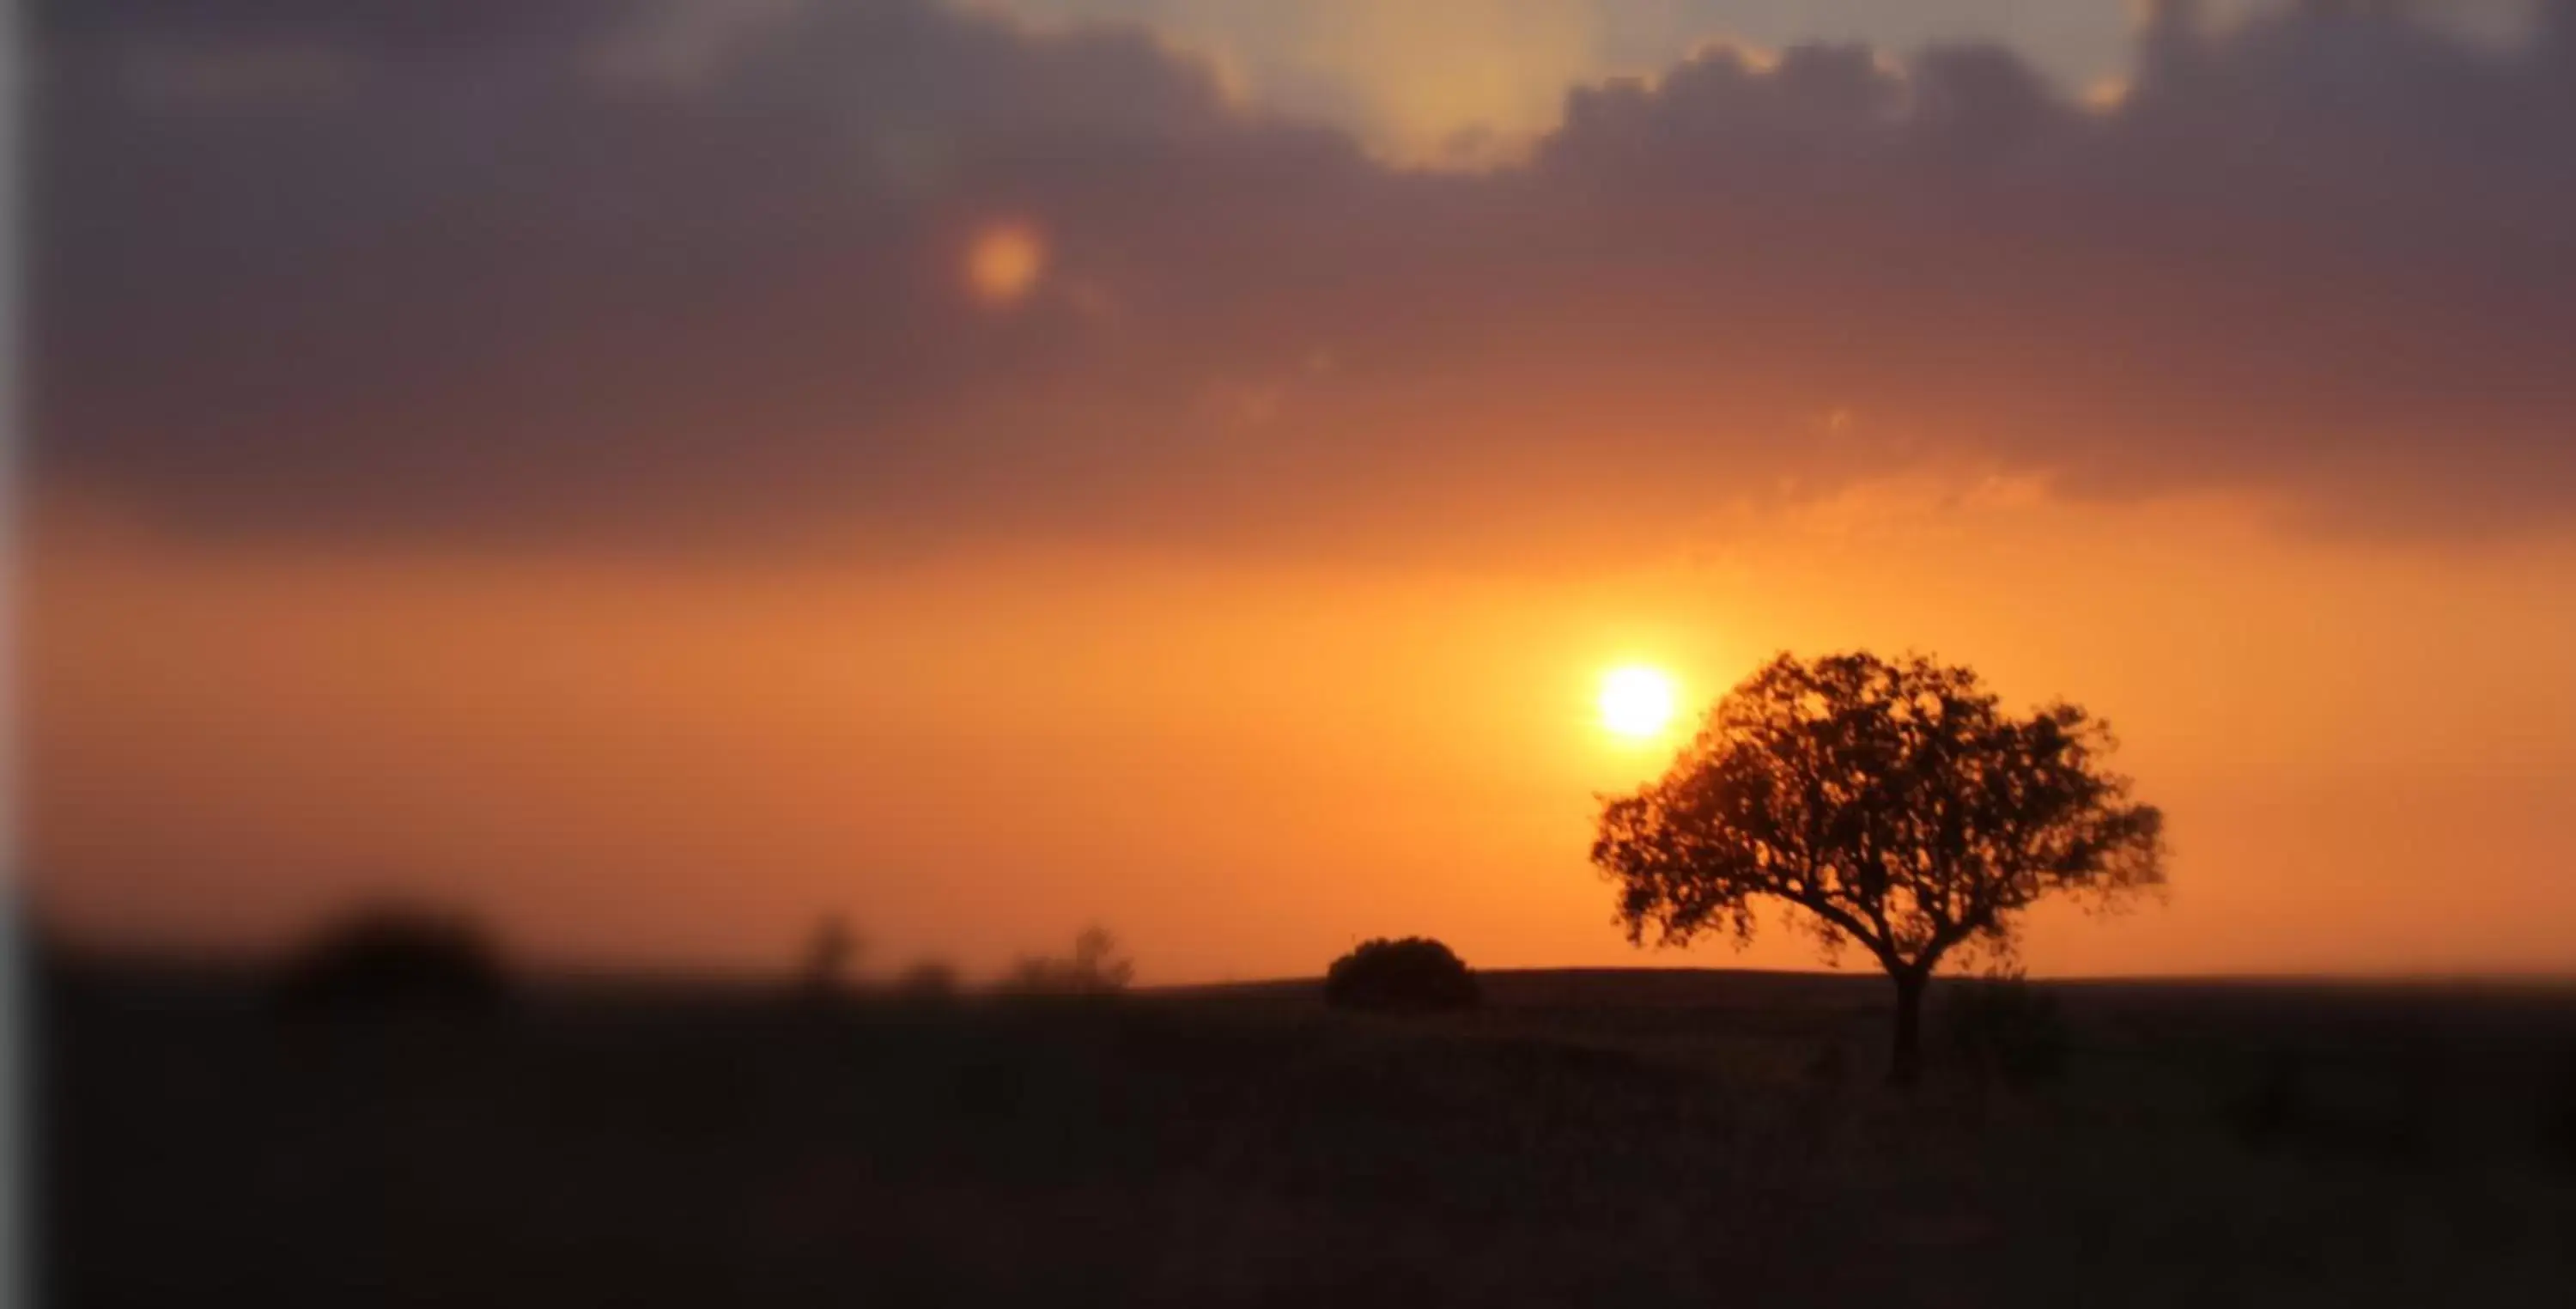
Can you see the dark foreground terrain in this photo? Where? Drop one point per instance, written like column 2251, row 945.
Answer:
column 1597, row 1138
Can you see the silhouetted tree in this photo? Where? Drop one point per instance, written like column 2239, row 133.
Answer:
column 1891, row 803
column 1414, row 974
column 827, row 958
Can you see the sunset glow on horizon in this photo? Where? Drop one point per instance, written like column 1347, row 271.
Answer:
column 1255, row 480
column 1503, row 652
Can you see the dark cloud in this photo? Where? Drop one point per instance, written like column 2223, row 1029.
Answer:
column 574, row 271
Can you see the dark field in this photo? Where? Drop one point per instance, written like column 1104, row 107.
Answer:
column 1595, row 1138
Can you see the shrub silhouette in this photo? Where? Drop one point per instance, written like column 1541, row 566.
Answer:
column 2558, row 1113
column 1096, row 968
column 2275, row 1107
column 1829, row 1066
column 395, row 957
column 1416, row 974
column 927, row 982
column 2338, row 1106
column 2009, row 1029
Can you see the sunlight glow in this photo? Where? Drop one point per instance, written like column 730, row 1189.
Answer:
column 1637, row 702
column 1004, row 261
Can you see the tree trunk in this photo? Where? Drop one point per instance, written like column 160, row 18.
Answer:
column 1905, row 1063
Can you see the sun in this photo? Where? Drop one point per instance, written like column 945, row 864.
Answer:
column 1637, row 702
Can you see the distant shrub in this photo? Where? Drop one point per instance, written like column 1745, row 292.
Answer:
column 1096, row 968
column 2275, row 1107
column 929, row 981
column 1416, row 974
column 2008, row 1029
column 2347, row 1105
column 395, row 957
column 2558, row 1113
column 1830, row 1065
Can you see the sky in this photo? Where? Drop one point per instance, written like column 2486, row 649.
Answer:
column 656, row 474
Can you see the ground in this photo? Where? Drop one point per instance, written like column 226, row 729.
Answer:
column 1594, row 1138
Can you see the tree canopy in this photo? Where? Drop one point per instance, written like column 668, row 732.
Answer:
column 1894, row 804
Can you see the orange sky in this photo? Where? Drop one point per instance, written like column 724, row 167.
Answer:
column 985, row 471
column 1243, row 768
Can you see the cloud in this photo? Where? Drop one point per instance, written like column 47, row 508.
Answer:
column 1422, row 79
column 503, row 281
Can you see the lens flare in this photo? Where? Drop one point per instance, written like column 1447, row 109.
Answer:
column 1004, row 263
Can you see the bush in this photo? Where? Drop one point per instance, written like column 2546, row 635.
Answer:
column 1830, row 1066
column 2008, row 1029
column 1096, row 968
column 395, row 957
column 1414, row 975
column 2340, row 1105
column 927, row 982
column 2272, row 1109
column 2558, row 1113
